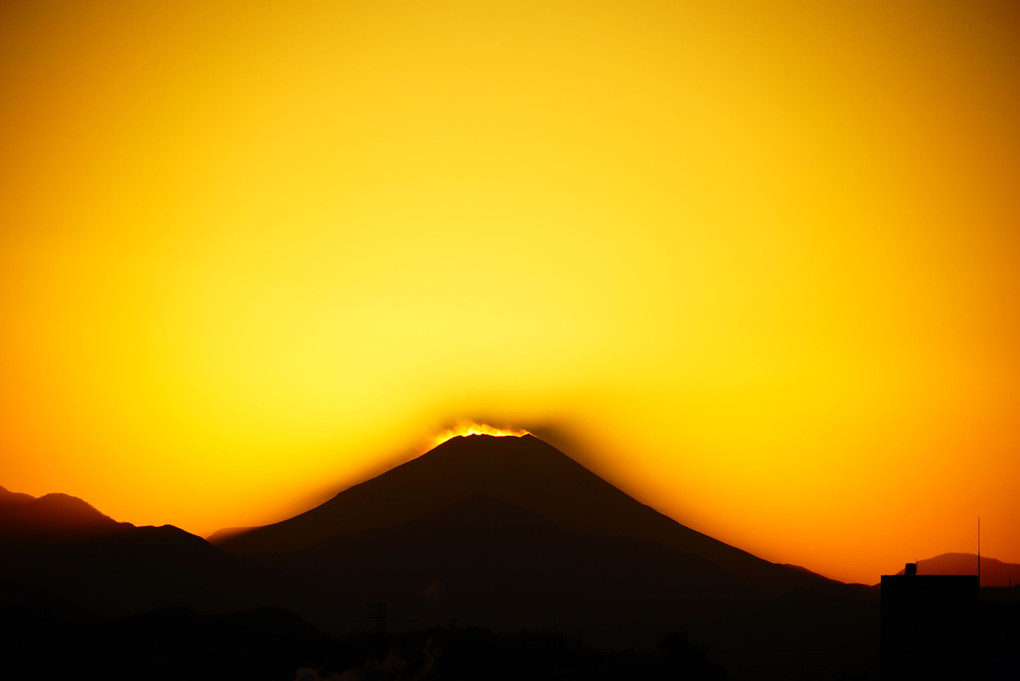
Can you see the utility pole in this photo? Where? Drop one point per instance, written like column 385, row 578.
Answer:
column 979, row 552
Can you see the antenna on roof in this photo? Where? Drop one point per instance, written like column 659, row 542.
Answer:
column 979, row 552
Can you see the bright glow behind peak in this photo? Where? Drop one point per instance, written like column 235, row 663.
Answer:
column 710, row 242
column 471, row 428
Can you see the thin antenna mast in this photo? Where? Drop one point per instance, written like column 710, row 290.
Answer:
column 979, row 552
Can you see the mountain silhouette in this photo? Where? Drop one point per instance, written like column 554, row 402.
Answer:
column 993, row 572
column 521, row 471
column 505, row 533
column 510, row 533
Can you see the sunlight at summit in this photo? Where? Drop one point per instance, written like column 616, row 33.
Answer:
column 753, row 263
column 462, row 428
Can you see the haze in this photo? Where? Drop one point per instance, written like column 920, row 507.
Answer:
column 754, row 263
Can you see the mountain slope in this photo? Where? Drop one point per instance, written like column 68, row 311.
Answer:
column 482, row 560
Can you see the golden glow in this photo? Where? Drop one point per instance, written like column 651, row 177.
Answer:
column 754, row 262
column 462, row 428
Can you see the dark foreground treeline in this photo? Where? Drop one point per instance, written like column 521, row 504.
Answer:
column 276, row 645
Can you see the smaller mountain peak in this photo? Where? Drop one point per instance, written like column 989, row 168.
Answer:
column 993, row 572
column 59, row 502
column 8, row 497
column 54, row 516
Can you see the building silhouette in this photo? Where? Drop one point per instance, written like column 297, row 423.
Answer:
column 929, row 625
column 946, row 627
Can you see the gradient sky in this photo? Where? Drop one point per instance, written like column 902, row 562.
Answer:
column 756, row 263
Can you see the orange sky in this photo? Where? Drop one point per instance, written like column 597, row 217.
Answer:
column 755, row 263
